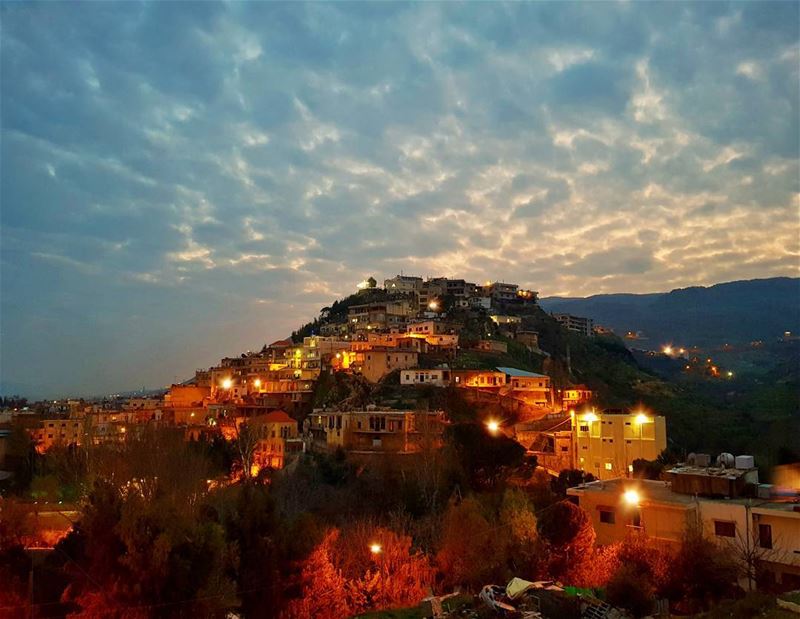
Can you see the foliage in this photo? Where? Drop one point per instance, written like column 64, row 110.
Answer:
column 342, row 576
column 483, row 457
column 469, row 553
column 701, row 573
column 568, row 538
column 631, row 589
column 15, row 566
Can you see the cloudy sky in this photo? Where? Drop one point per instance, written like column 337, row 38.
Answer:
column 185, row 181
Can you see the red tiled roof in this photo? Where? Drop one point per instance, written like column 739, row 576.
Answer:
column 277, row 417
column 280, row 343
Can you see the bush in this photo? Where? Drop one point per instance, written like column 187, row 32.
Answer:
column 631, row 589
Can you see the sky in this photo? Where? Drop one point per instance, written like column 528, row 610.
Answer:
column 182, row 181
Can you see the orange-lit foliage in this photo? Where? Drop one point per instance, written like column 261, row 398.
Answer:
column 342, row 576
column 470, row 547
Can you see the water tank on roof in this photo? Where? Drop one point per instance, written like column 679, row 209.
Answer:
column 745, row 462
column 690, row 459
column 726, row 460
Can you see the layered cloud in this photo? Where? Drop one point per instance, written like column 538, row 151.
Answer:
column 182, row 181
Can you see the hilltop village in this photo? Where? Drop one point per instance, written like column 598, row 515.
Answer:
column 359, row 377
column 412, row 418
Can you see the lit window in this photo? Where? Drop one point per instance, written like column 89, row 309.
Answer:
column 608, row 466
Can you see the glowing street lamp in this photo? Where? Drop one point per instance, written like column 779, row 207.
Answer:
column 667, row 350
column 493, row 426
column 257, row 382
column 642, row 418
column 590, row 417
column 433, row 306
column 227, row 383
column 631, row 497
column 375, row 549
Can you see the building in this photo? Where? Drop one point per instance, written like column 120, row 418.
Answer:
column 277, row 432
column 429, row 327
column 578, row 324
column 529, row 339
column 606, row 444
column 52, row 432
column 186, row 395
column 574, row 396
column 403, row 283
column 492, row 346
column 417, row 376
column 379, row 316
column 500, row 292
column 766, row 529
column 506, row 321
column 376, row 363
column 532, row 387
column 375, row 431
column 478, row 379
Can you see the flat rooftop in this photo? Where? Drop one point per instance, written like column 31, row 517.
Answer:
column 661, row 492
column 710, row 471
column 648, row 489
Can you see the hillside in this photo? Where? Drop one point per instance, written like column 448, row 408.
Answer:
column 734, row 312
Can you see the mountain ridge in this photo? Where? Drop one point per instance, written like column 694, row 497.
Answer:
column 730, row 312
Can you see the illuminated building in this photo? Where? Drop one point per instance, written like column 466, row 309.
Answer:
column 375, row 431
column 606, row 444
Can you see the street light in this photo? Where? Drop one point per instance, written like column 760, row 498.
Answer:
column 631, row 497
column 642, row 418
column 227, row 383
column 257, row 382
column 375, row 549
column 493, row 426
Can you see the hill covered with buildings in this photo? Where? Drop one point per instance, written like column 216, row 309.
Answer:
column 397, row 433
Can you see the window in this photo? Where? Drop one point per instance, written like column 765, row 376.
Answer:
column 584, row 428
column 765, row 535
column 607, row 516
column 724, row 528
column 609, row 466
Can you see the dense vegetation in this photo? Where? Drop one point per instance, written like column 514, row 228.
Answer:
column 162, row 534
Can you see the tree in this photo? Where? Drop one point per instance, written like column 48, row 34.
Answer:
column 483, row 457
column 245, row 441
column 631, row 589
column 568, row 536
column 701, row 573
column 324, row 586
column 471, row 550
column 360, row 568
column 519, row 528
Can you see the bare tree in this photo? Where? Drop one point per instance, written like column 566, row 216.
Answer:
column 751, row 552
column 247, row 436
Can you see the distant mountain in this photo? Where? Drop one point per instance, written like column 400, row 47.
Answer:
column 734, row 312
